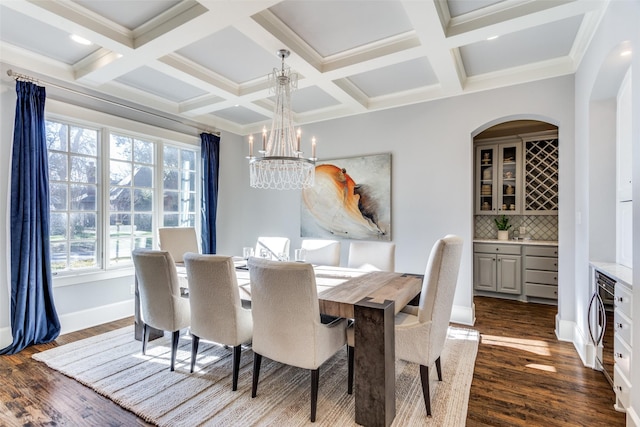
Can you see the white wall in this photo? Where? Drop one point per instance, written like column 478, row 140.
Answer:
column 602, row 178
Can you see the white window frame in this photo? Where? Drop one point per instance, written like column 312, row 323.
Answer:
column 107, row 124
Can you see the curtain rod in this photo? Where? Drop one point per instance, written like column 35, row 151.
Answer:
column 24, row 77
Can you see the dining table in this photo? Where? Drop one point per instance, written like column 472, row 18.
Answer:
column 371, row 299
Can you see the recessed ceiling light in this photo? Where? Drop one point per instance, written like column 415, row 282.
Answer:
column 80, row 40
column 492, row 37
column 625, row 52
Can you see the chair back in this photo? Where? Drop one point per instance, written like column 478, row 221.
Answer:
column 161, row 305
column 178, row 241
column 439, row 286
column 275, row 245
column 215, row 299
column 322, row 252
column 372, row 255
column 286, row 315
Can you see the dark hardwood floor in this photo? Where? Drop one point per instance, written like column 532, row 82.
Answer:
column 523, row 377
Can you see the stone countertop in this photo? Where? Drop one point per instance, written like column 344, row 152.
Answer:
column 519, row 242
column 617, row 271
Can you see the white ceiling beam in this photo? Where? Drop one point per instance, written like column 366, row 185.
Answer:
column 426, row 21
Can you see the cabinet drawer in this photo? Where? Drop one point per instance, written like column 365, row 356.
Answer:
column 540, row 263
column 623, row 301
column 497, row 249
column 550, row 251
column 622, row 387
column 621, row 355
column 544, row 277
column 540, row 291
column 623, row 327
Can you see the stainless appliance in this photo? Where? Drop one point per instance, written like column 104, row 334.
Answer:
column 601, row 323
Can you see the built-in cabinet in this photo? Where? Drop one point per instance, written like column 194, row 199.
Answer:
column 499, row 177
column 541, row 271
column 502, row 269
column 611, row 326
column 497, row 268
column 622, row 345
column 517, row 175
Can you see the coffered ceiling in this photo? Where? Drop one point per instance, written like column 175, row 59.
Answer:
column 207, row 61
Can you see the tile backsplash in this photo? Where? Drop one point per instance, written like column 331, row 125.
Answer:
column 539, row 227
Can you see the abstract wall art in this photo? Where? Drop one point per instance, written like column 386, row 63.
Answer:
column 351, row 199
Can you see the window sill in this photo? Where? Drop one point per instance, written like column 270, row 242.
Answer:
column 70, row 279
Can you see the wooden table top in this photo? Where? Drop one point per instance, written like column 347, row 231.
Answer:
column 340, row 288
column 377, row 285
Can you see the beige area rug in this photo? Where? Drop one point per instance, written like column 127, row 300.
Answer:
column 112, row 364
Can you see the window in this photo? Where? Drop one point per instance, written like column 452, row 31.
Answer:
column 179, row 182
column 109, row 194
column 74, row 199
column 131, row 172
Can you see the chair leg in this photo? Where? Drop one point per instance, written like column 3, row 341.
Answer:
column 439, row 369
column 195, row 340
column 174, row 348
column 237, row 351
column 315, row 377
column 145, row 337
column 424, row 377
column 350, row 358
column 257, row 360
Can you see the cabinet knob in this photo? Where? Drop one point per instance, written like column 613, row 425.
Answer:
column 619, row 388
column 618, row 355
column 619, row 325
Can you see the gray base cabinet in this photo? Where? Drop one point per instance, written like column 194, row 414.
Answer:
column 497, row 268
column 541, row 271
column 528, row 272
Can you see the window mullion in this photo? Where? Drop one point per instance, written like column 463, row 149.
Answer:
column 104, row 186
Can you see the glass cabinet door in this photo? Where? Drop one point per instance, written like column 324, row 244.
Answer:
column 486, row 163
column 509, row 187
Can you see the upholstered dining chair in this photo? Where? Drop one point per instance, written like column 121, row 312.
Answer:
column 286, row 320
column 161, row 305
column 178, row 241
column 216, row 311
column 372, row 255
column 421, row 331
column 273, row 245
column 321, row 252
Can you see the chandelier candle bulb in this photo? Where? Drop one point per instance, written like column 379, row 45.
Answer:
column 264, row 138
column 313, row 147
column 250, row 145
column 298, row 140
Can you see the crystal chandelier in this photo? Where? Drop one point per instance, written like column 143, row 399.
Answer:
column 280, row 165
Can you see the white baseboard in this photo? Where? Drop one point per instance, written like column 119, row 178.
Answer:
column 463, row 315
column 83, row 319
column 5, row 337
column 633, row 420
column 569, row 331
column 565, row 329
